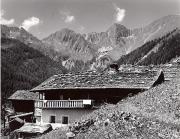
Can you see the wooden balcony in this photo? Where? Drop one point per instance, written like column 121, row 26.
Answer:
column 63, row 103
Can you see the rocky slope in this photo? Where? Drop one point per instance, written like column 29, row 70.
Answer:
column 109, row 45
column 73, row 50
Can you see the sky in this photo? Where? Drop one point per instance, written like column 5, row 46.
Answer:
column 43, row 17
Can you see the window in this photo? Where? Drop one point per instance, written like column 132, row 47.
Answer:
column 52, row 119
column 64, row 119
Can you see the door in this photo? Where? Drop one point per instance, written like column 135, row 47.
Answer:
column 65, row 120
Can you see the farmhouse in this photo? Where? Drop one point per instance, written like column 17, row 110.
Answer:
column 65, row 98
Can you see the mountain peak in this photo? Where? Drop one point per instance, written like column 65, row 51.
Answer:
column 117, row 26
column 64, row 31
column 117, row 30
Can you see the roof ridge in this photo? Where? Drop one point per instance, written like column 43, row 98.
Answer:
column 131, row 79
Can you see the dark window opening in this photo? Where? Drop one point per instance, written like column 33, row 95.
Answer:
column 52, row 119
column 64, row 120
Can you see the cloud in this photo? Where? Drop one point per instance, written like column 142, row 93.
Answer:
column 120, row 14
column 30, row 22
column 5, row 21
column 67, row 17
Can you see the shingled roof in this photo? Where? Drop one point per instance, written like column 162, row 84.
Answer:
column 24, row 95
column 92, row 80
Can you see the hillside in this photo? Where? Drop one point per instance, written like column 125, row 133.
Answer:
column 151, row 114
column 158, row 51
column 154, row 30
column 27, row 38
column 24, row 67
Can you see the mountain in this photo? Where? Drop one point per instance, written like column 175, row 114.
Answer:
column 154, row 30
column 157, row 51
column 93, row 51
column 23, row 67
column 27, row 38
column 43, row 47
column 70, row 44
column 118, row 40
column 73, row 50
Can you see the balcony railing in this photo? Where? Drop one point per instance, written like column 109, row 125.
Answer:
column 63, row 103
